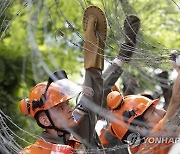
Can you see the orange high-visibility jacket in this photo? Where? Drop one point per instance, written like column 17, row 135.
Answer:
column 43, row 147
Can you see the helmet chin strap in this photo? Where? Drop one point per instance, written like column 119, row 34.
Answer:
column 64, row 132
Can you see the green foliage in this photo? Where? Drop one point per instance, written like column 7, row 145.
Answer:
column 34, row 37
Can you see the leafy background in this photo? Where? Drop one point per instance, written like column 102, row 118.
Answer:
column 32, row 45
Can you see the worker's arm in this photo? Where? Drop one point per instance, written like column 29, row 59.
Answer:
column 175, row 99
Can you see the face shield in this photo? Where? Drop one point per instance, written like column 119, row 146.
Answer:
column 74, row 90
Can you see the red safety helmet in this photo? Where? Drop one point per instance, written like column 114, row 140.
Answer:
column 126, row 110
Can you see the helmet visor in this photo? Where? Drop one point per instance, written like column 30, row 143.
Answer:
column 71, row 88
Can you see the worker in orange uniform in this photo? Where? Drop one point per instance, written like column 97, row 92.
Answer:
column 115, row 69
column 138, row 120
column 168, row 127
column 69, row 130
